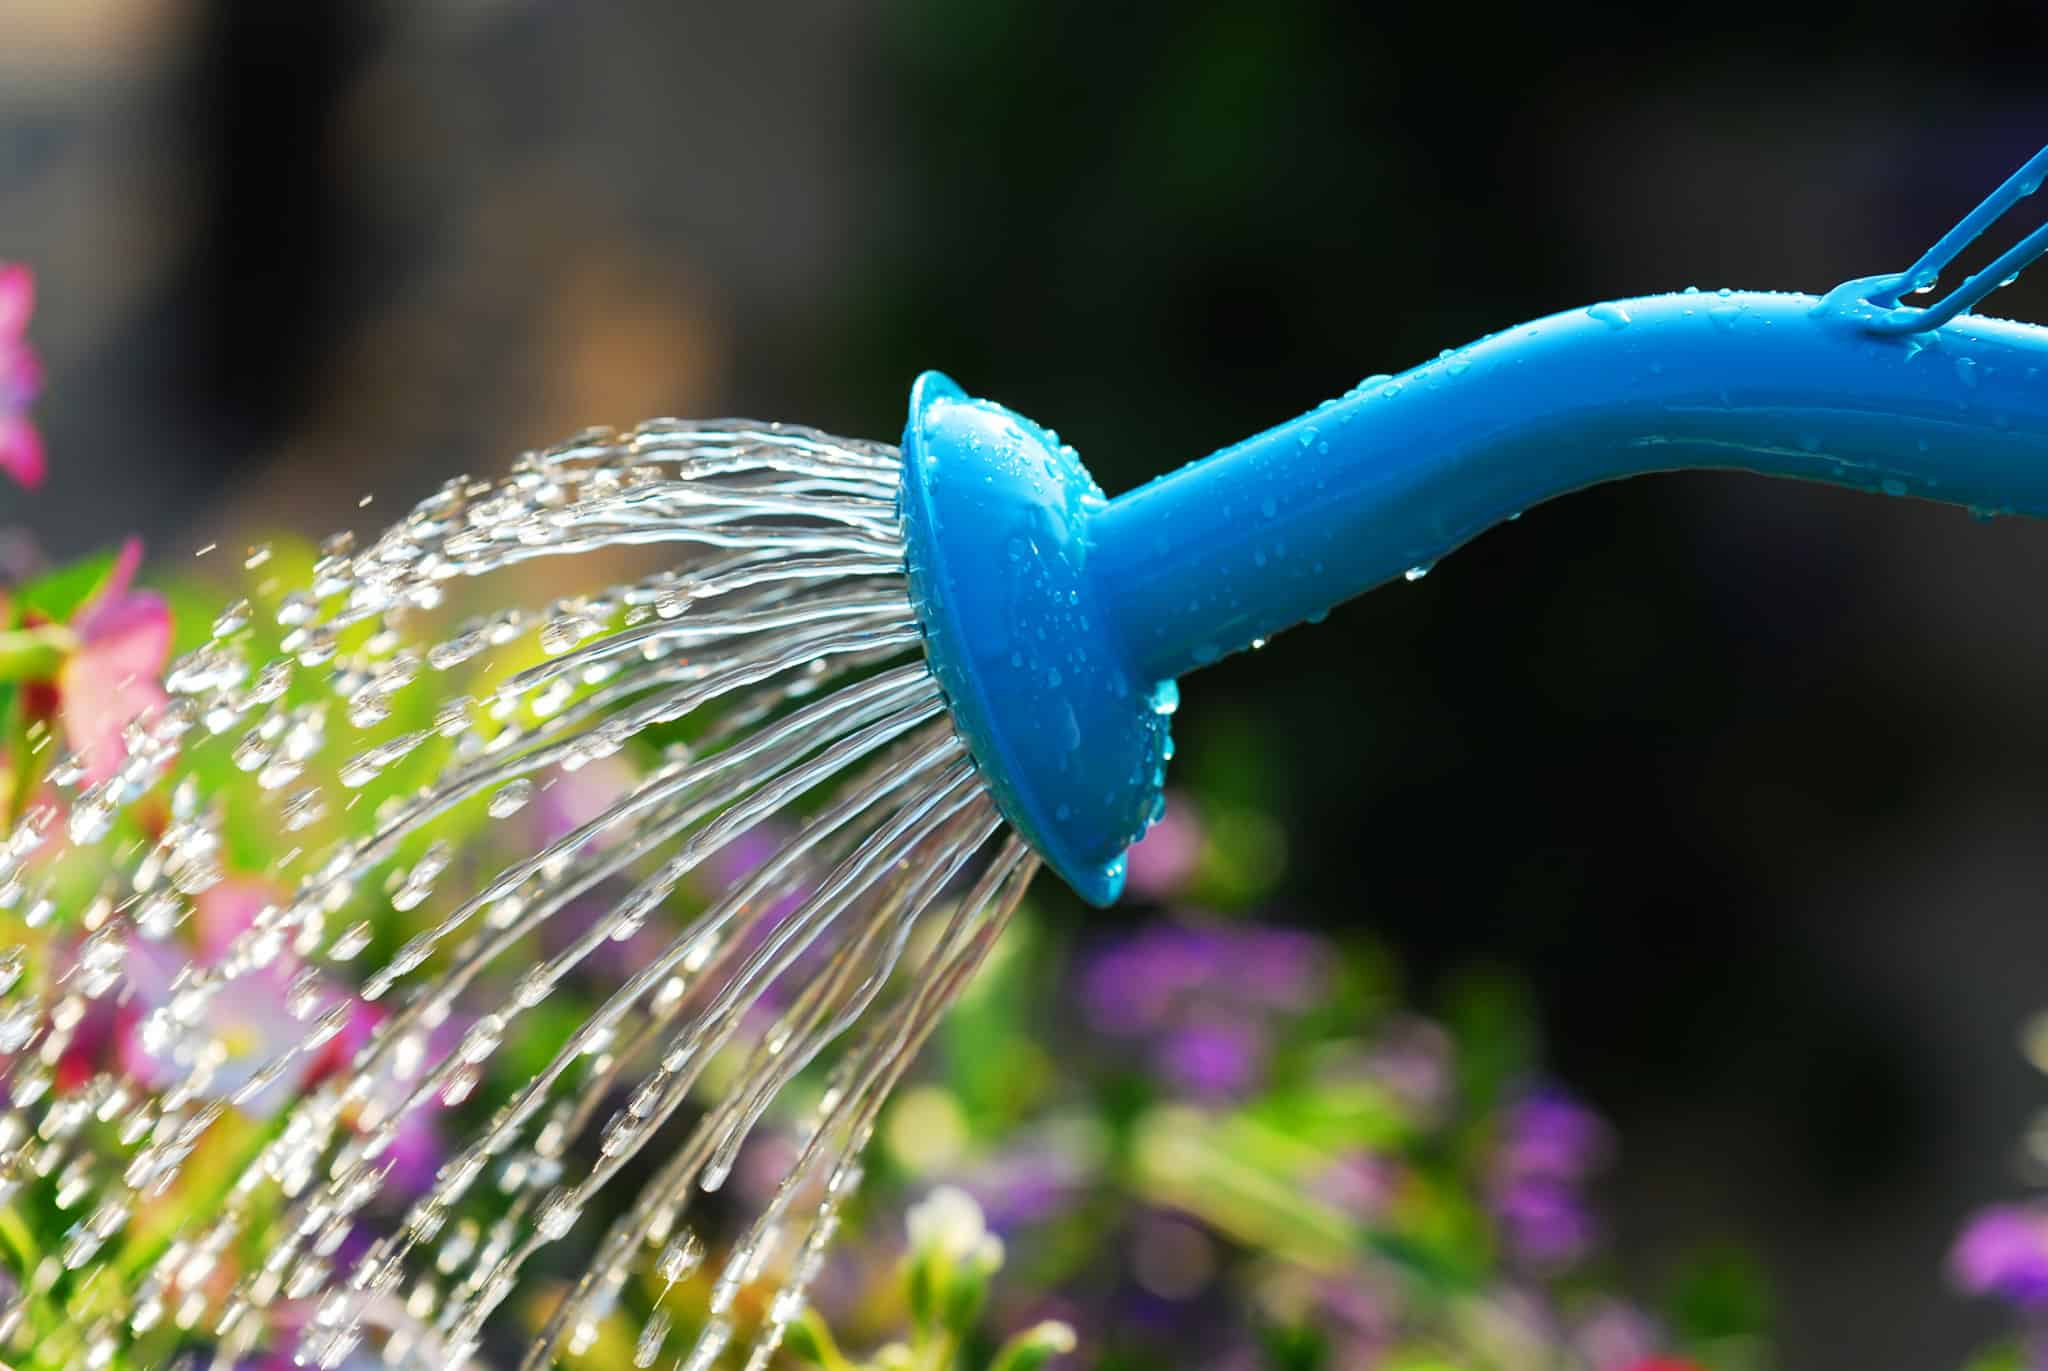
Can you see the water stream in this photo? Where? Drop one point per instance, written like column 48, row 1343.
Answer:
column 773, row 657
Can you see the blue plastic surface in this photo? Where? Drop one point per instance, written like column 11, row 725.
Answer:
column 1921, row 276
column 1072, row 744
column 1275, row 530
column 1057, row 622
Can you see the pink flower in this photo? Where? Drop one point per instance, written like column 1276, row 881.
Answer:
column 248, row 1018
column 2003, row 1251
column 124, row 640
column 574, row 798
column 1160, row 863
column 1614, row 1336
column 21, row 376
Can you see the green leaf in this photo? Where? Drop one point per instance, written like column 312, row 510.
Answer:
column 966, row 1289
column 19, row 1239
column 1489, row 1015
column 1719, row 1294
column 810, row 1339
column 923, row 1290
column 57, row 595
column 1295, row 1348
column 23, row 762
column 2004, row 1356
column 34, row 654
column 1034, row 1347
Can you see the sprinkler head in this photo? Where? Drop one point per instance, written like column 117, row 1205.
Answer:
column 1070, row 739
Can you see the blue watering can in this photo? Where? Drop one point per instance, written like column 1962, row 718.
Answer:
column 1058, row 621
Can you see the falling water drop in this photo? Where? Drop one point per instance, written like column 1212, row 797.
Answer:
column 510, row 798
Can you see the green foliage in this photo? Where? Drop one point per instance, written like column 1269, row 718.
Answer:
column 58, row 594
column 2010, row 1355
column 945, row 1283
column 1719, row 1307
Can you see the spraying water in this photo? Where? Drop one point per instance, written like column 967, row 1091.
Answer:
column 776, row 634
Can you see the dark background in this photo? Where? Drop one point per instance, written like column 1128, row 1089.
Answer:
column 1750, row 780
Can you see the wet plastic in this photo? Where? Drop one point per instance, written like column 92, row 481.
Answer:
column 1056, row 621
column 1273, row 531
column 1070, row 737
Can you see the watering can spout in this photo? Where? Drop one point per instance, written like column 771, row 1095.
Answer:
column 1853, row 389
column 1057, row 620
column 1389, row 478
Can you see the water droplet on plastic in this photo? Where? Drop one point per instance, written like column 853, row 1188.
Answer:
column 1610, row 313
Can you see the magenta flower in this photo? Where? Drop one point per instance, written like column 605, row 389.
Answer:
column 124, row 640
column 21, row 376
column 2003, row 1252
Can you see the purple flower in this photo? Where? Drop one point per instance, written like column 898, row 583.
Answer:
column 1139, row 984
column 21, row 376
column 1544, row 1222
column 1035, row 1178
column 1204, row 1002
column 1549, row 1145
column 2003, row 1252
column 1548, row 1133
column 1214, row 1058
column 612, row 960
column 747, row 854
column 743, row 856
column 1279, row 968
column 1131, row 987
column 1159, row 864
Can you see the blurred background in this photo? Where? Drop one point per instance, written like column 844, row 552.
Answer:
column 1748, row 781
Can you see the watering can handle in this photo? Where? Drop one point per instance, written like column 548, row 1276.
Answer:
column 1921, row 276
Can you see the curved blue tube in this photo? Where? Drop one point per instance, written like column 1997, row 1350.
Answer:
column 1057, row 621
column 1276, row 529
